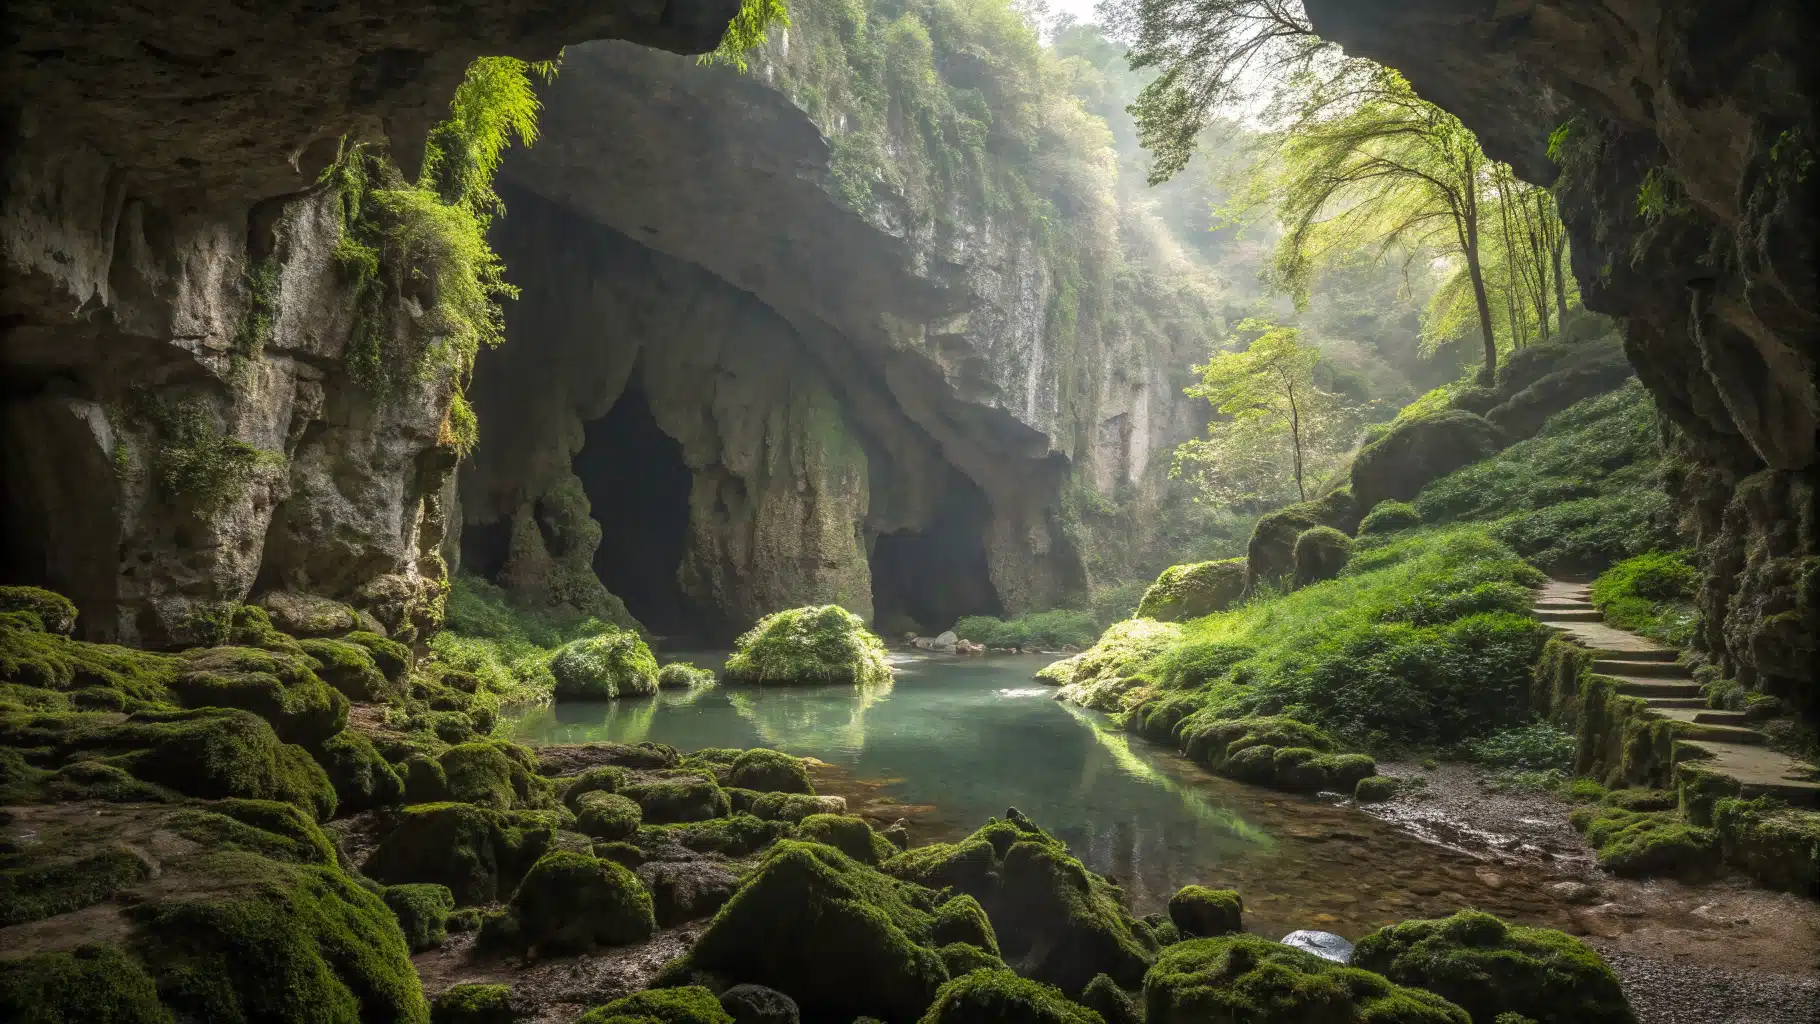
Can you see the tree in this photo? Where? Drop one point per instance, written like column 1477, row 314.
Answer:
column 1267, row 398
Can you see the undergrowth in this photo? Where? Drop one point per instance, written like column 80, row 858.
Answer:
column 1038, row 629
column 1650, row 594
column 507, row 646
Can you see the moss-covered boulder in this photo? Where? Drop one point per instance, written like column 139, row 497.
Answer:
column 474, row 1003
column 1001, row 997
column 1489, row 968
column 54, row 612
column 1272, row 751
column 478, row 854
column 841, row 939
column 790, row 807
column 678, row 798
column 1248, row 980
column 1777, row 845
column 362, row 778
column 961, row 919
column 393, row 659
column 98, row 677
column 737, row 836
column 613, row 664
column 281, row 688
column 1270, row 554
column 1185, row 592
column 606, row 816
column 572, row 902
column 208, row 753
column 494, row 773
column 1320, row 554
column 422, row 912
column 1540, row 380
column 1642, row 843
column 1375, row 789
column 599, row 779
column 1104, row 997
column 1418, row 451
column 817, row 644
column 1200, row 912
column 349, row 668
column 848, row 833
column 769, row 771
column 1055, row 921
column 1389, row 517
column 688, row 1004
column 309, row 615
column 681, row 675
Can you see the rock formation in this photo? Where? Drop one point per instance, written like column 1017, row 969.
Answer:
column 1681, row 142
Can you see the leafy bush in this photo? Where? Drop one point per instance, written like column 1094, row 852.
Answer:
column 826, row 644
column 1538, row 747
column 1650, row 594
column 1038, row 629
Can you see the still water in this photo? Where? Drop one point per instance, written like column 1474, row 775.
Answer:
column 954, row 740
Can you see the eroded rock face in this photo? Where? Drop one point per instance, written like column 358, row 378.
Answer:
column 179, row 426
column 1705, row 110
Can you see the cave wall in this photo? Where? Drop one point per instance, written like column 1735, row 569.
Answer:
column 1705, row 110
column 171, row 438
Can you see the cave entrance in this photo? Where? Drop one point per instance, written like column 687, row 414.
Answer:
column 638, row 487
column 923, row 580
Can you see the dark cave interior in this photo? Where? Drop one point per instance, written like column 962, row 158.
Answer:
column 924, row 580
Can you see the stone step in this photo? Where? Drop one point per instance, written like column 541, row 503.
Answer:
column 1614, row 654
column 1676, row 702
column 1704, row 717
column 1630, row 668
column 1551, row 615
column 1563, row 604
column 1632, row 687
column 1759, row 770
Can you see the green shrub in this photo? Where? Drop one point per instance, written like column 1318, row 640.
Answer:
column 1489, row 967
column 615, row 664
column 680, row 675
column 1538, row 747
column 825, row 644
column 1389, row 517
column 1651, row 594
column 1058, row 628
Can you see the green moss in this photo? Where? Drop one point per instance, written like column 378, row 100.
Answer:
column 1642, row 799
column 497, row 774
column 690, row 1004
column 393, row 659
column 1777, row 845
column 1637, row 843
column 1376, row 789
column 88, row 985
column 362, row 779
column 1191, row 591
column 606, row 816
column 1320, row 554
column 680, row 799
column 1270, row 554
column 604, row 778
column 826, row 644
column 680, row 675
column 42, row 887
column 997, row 996
column 1243, row 978
column 614, row 664
column 1200, row 912
column 1389, row 517
column 1651, row 594
column 962, row 919
column 55, row 613
column 423, row 913
column 737, row 836
column 769, row 771
column 424, row 780
column 806, row 906
column 573, row 902
column 278, row 831
column 962, row 957
column 849, row 834
column 478, row 854
column 280, row 688
column 123, row 678
column 196, row 460
column 348, row 667
column 472, row 1003
column 1104, row 997
column 1489, row 967
column 792, row 807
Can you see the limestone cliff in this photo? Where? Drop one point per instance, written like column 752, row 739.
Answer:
column 180, row 428
column 1681, row 140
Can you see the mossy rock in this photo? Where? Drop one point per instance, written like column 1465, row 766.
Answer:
column 606, row 816
column 681, row 675
column 54, row 612
column 478, row 854
column 1185, row 592
column 599, row 779
column 424, row 780
column 678, row 799
column 473, row 1003
column 962, row 919
column 739, row 835
column 614, row 664
column 825, row 644
column 91, row 983
column 808, row 907
column 1320, row 554
column 1250, row 980
column 770, row 771
column 1200, row 912
column 1215, row 742
column 688, row 1004
column 281, row 688
column 422, row 911
column 1301, row 770
column 362, row 779
column 1488, row 968
column 1389, row 517
column 1775, row 844
column 1419, row 451
column 791, row 807
column 101, row 676
column 962, row 957
column 1104, row 997
column 308, row 615
column 1270, row 554
column 1644, row 843
column 1001, row 997
column 1376, row 789
column 349, row 668
column 572, row 902
column 848, row 833
column 208, row 753
column 393, row 659
column 497, row 774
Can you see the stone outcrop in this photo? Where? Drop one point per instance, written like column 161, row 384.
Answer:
column 1683, row 140
column 179, row 425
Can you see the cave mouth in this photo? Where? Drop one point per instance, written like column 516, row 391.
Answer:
column 638, row 488
column 923, row 580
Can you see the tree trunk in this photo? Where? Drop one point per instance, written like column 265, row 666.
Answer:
column 1466, row 225
column 1295, row 440
column 1560, row 282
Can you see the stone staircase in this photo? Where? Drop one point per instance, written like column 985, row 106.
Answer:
column 1726, row 741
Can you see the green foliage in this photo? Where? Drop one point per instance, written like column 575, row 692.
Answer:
column 198, row 461
column 1488, row 968
column 1056, row 628
column 750, row 24
column 679, row 675
column 1650, row 594
column 1250, row 979
column 1580, row 495
column 1538, row 747
column 606, row 666
column 1000, row 995
column 825, row 644
column 506, row 647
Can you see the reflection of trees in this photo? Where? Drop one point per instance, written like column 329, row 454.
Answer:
column 811, row 718
column 626, row 720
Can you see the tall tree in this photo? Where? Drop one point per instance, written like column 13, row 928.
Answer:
column 1273, row 417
